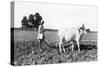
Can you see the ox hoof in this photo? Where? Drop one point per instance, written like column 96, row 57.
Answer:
column 78, row 50
column 59, row 52
column 41, row 50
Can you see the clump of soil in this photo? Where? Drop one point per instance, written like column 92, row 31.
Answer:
column 28, row 52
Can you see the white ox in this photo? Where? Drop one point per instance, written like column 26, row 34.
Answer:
column 70, row 35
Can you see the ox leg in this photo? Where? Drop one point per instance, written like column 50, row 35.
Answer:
column 72, row 46
column 78, row 45
column 60, row 47
column 63, row 48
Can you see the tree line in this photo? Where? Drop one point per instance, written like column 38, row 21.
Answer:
column 32, row 23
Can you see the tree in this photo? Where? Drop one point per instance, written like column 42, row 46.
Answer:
column 37, row 20
column 31, row 19
column 88, row 30
column 24, row 22
column 33, row 22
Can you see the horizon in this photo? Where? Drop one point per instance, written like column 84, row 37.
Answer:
column 47, row 29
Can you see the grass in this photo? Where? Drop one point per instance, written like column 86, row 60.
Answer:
column 51, row 36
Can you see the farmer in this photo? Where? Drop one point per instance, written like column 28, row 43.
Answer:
column 41, row 36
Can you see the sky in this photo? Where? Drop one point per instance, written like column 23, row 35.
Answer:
column 57, row 16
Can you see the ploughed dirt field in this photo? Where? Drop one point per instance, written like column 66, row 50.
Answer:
column 27, row 52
